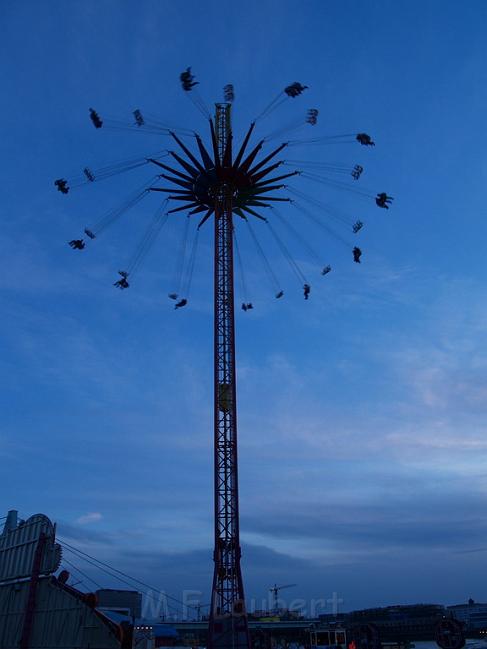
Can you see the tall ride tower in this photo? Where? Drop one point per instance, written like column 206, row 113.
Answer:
column 205, row 182
column 228, row 618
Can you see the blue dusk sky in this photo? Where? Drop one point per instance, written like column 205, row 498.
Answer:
column 362, row 411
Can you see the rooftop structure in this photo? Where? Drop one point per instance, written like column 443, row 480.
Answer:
column 38, row 609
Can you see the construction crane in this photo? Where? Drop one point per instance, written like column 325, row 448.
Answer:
column 230, row 186
column 199, row 606
column 275, row 591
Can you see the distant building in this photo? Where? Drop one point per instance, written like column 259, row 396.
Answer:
column 402, row 622
column 472, row 614
column 121, row 601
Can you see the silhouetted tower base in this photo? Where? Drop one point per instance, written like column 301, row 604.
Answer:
column 228, row 628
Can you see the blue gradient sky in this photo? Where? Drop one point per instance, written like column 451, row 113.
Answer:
column 362, row 411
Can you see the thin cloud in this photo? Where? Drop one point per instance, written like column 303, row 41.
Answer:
column 91, row 517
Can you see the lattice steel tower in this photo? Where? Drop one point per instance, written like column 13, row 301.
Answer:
column 228, row 619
